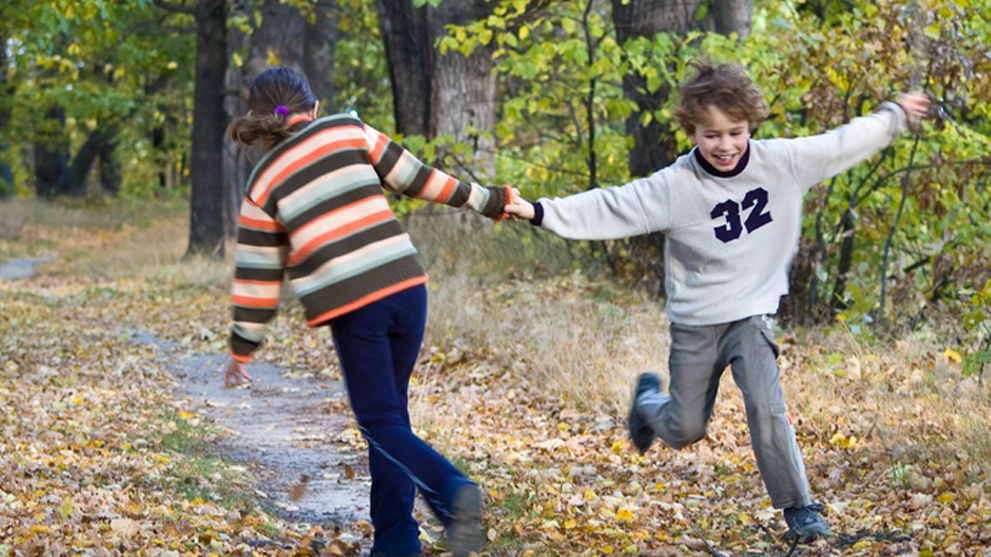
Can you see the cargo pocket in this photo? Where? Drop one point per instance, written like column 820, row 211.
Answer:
column 763, row 323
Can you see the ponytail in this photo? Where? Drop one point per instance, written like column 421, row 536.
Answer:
column 274, row 94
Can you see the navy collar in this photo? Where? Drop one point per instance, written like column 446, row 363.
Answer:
column 740, row 166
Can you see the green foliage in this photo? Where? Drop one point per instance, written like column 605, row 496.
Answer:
column 361, row 70
column 820, row 64
column 977, row 321
column 551, row 62
column 106, row 64
column 561, row 71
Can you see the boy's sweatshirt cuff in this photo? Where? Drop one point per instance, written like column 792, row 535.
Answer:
column 899, row 111
column 538, row 214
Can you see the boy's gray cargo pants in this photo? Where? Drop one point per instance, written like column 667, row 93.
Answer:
column 699, row 355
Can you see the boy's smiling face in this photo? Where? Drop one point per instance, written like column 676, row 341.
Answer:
column 721, row 139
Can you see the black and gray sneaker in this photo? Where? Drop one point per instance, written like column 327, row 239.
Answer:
column 465, row 534
column 641, row 433
column 805, row 524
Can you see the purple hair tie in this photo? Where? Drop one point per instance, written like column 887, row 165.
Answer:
column 282, row 111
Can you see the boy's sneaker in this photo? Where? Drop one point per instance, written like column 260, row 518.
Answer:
column 805, row 524
column 641, row 433
column 465, row 535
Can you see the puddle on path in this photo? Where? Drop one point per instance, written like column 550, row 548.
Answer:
column 284, row 432
column 16, row 269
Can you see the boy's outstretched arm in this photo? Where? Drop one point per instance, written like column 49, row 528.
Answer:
column 520, row 207
column 815, row 158
column 915, row 105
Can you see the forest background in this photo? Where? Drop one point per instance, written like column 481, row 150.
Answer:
column 116, row 109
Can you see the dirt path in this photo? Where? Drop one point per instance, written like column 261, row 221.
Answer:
column 284, row 432
column 287, row 430
column 15, row 269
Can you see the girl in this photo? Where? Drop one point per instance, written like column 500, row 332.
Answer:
column 315, row 212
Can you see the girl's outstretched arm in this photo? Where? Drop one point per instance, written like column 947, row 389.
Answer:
column 403, row 173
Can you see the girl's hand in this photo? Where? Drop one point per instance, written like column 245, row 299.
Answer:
column 915, row 105
column 236, row 373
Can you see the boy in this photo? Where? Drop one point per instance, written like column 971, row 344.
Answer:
column 731, row 211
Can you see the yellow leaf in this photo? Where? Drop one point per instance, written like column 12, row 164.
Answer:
column 607, row 549
column 66, row 508
column 590, row 495
column 524, row 32
column 953, row 356
column 945, row 498
column 617, row 446
column 40, row 529
column 570, row 523
column 77, row 400
column 624, row 514
column 186, row 415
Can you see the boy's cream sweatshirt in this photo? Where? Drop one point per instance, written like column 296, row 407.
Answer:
column 730, row 236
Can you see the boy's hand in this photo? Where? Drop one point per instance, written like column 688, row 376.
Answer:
column 520, row 207
column 915, row 105
column 236, row 373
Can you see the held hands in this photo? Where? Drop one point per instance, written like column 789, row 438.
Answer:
column 519, row 207
column 915, row 105
column 236, row 374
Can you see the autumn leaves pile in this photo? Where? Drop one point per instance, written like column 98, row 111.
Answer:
column 523, row 382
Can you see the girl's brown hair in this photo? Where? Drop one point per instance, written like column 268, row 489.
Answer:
column 724, row 86
column 274, row 94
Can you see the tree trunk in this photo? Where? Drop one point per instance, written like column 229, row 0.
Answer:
column 436, row 94
column 110, row 176
column 409, row 50
column 51, row 155
column 730, row 16
column 848, row 227
column 280, row 36
column 654, row 145
column 319, row 40
column 100, row 144
column 236, row 166
column 206, row 223
column 464, row 91
column 6, row 91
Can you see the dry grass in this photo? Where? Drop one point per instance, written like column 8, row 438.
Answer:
column 518, row 300
column 508, row 296
column 108, row 239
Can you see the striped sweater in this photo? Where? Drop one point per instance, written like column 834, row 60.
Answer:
column 315, row 212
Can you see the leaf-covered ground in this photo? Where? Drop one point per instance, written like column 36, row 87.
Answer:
column 523, row 382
